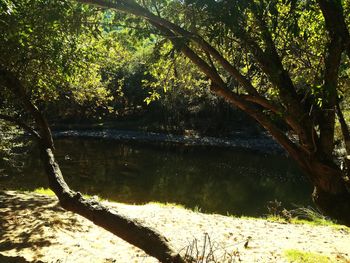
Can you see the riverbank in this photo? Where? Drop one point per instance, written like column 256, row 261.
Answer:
column 34, row 228
column 259, row 143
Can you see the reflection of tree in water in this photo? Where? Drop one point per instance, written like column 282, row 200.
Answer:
column 214, row 179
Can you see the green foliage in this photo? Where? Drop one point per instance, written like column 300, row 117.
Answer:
column 80, row 62
column 172, row 74
column 51, row 46
column 10, row 147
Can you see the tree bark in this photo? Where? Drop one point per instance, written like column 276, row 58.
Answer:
column 344, row 128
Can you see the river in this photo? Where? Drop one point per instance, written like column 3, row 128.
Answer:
column 209, row 179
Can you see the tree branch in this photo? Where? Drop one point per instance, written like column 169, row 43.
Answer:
column 20, row 124
column 332, row 9
column 219, row 87
column 284, row 83
column 271, row 64
column 344, row 128
column 14, row 84
column 339, row 35
column 129, row 6
column 327, row 116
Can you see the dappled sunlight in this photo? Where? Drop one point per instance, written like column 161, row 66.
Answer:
column 35, row 227
column 31, row 223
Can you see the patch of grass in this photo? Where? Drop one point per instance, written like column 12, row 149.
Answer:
column 278, row 219
column 49, row 192
column 166, row 204
column 282, row 220
column 197, row 209
column 316, row 222
column 298, row 256
column 302, row 215
column 44, row 191
column 295, row 220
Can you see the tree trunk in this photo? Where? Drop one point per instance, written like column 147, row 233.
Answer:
column 331, row 189
column 336, row 206
column 344, row 128
column 145, row 238
column 149, row 240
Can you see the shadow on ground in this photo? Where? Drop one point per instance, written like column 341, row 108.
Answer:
column 30, row 222
column 5, row 259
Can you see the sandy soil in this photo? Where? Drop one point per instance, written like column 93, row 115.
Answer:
column 33, row 228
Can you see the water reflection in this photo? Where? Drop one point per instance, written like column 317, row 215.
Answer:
column 214, row 179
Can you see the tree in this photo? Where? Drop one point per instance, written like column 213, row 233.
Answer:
column 293, row 53
column 43, row 46
column 281, row 59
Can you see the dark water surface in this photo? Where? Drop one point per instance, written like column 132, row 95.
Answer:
column 212, row 179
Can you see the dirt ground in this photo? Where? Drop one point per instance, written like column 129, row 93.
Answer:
column 33, row 228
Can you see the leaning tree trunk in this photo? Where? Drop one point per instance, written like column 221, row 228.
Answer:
column 145, row 238
column 149, row 240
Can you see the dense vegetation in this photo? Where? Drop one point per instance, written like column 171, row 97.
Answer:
column 285, row 63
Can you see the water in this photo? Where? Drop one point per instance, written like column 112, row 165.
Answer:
column 210, row 179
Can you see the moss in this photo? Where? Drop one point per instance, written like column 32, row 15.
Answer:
column 298, row 256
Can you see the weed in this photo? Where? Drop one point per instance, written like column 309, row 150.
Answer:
column 209, row 251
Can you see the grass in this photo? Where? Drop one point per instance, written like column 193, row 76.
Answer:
column 166, row 204
column 44, row 191
column 311, row 216
column 304, row 215
column 294, row 220
column 49, row 192
column 298, row 256
column 297, row 221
